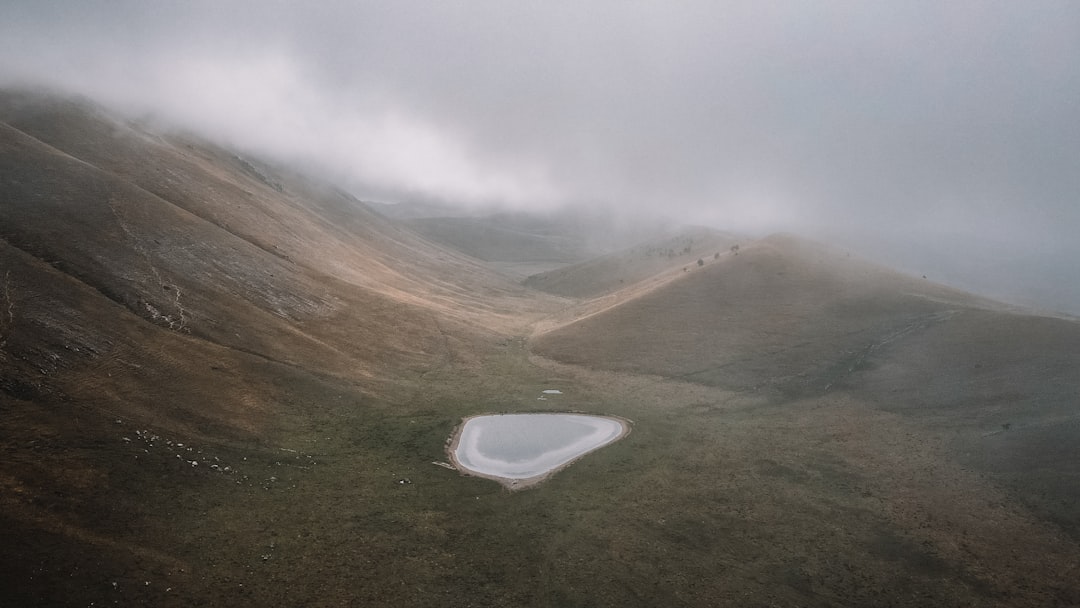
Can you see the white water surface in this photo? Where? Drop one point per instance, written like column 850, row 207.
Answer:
column 516, row 448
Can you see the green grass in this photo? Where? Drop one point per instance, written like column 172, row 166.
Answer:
column 713, row 499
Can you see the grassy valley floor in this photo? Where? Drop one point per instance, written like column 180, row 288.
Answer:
column 716, row 498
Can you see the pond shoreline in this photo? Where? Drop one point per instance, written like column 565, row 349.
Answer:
column 514, row 484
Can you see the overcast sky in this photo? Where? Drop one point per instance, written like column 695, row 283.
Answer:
column 946, row 120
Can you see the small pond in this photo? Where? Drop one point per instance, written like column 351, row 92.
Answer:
column 519, row 450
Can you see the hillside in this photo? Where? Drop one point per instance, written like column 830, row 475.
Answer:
column 224, row 382
column 788, row 323
column 307, row 223
column 153, row 281
column 783, row 313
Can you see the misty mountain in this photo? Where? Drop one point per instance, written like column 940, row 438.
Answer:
column 225, row 380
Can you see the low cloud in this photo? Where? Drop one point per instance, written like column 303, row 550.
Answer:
column 921, row 122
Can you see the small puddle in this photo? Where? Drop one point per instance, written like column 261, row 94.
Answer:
column 519, row 450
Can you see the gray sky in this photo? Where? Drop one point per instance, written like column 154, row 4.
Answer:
column 929, row 122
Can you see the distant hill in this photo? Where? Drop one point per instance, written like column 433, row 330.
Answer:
column 413, row 210
column 497, row 239
column 521, row 244
column 624, row 268
column 784, row 313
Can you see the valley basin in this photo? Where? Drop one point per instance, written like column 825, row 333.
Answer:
column 519, row 450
